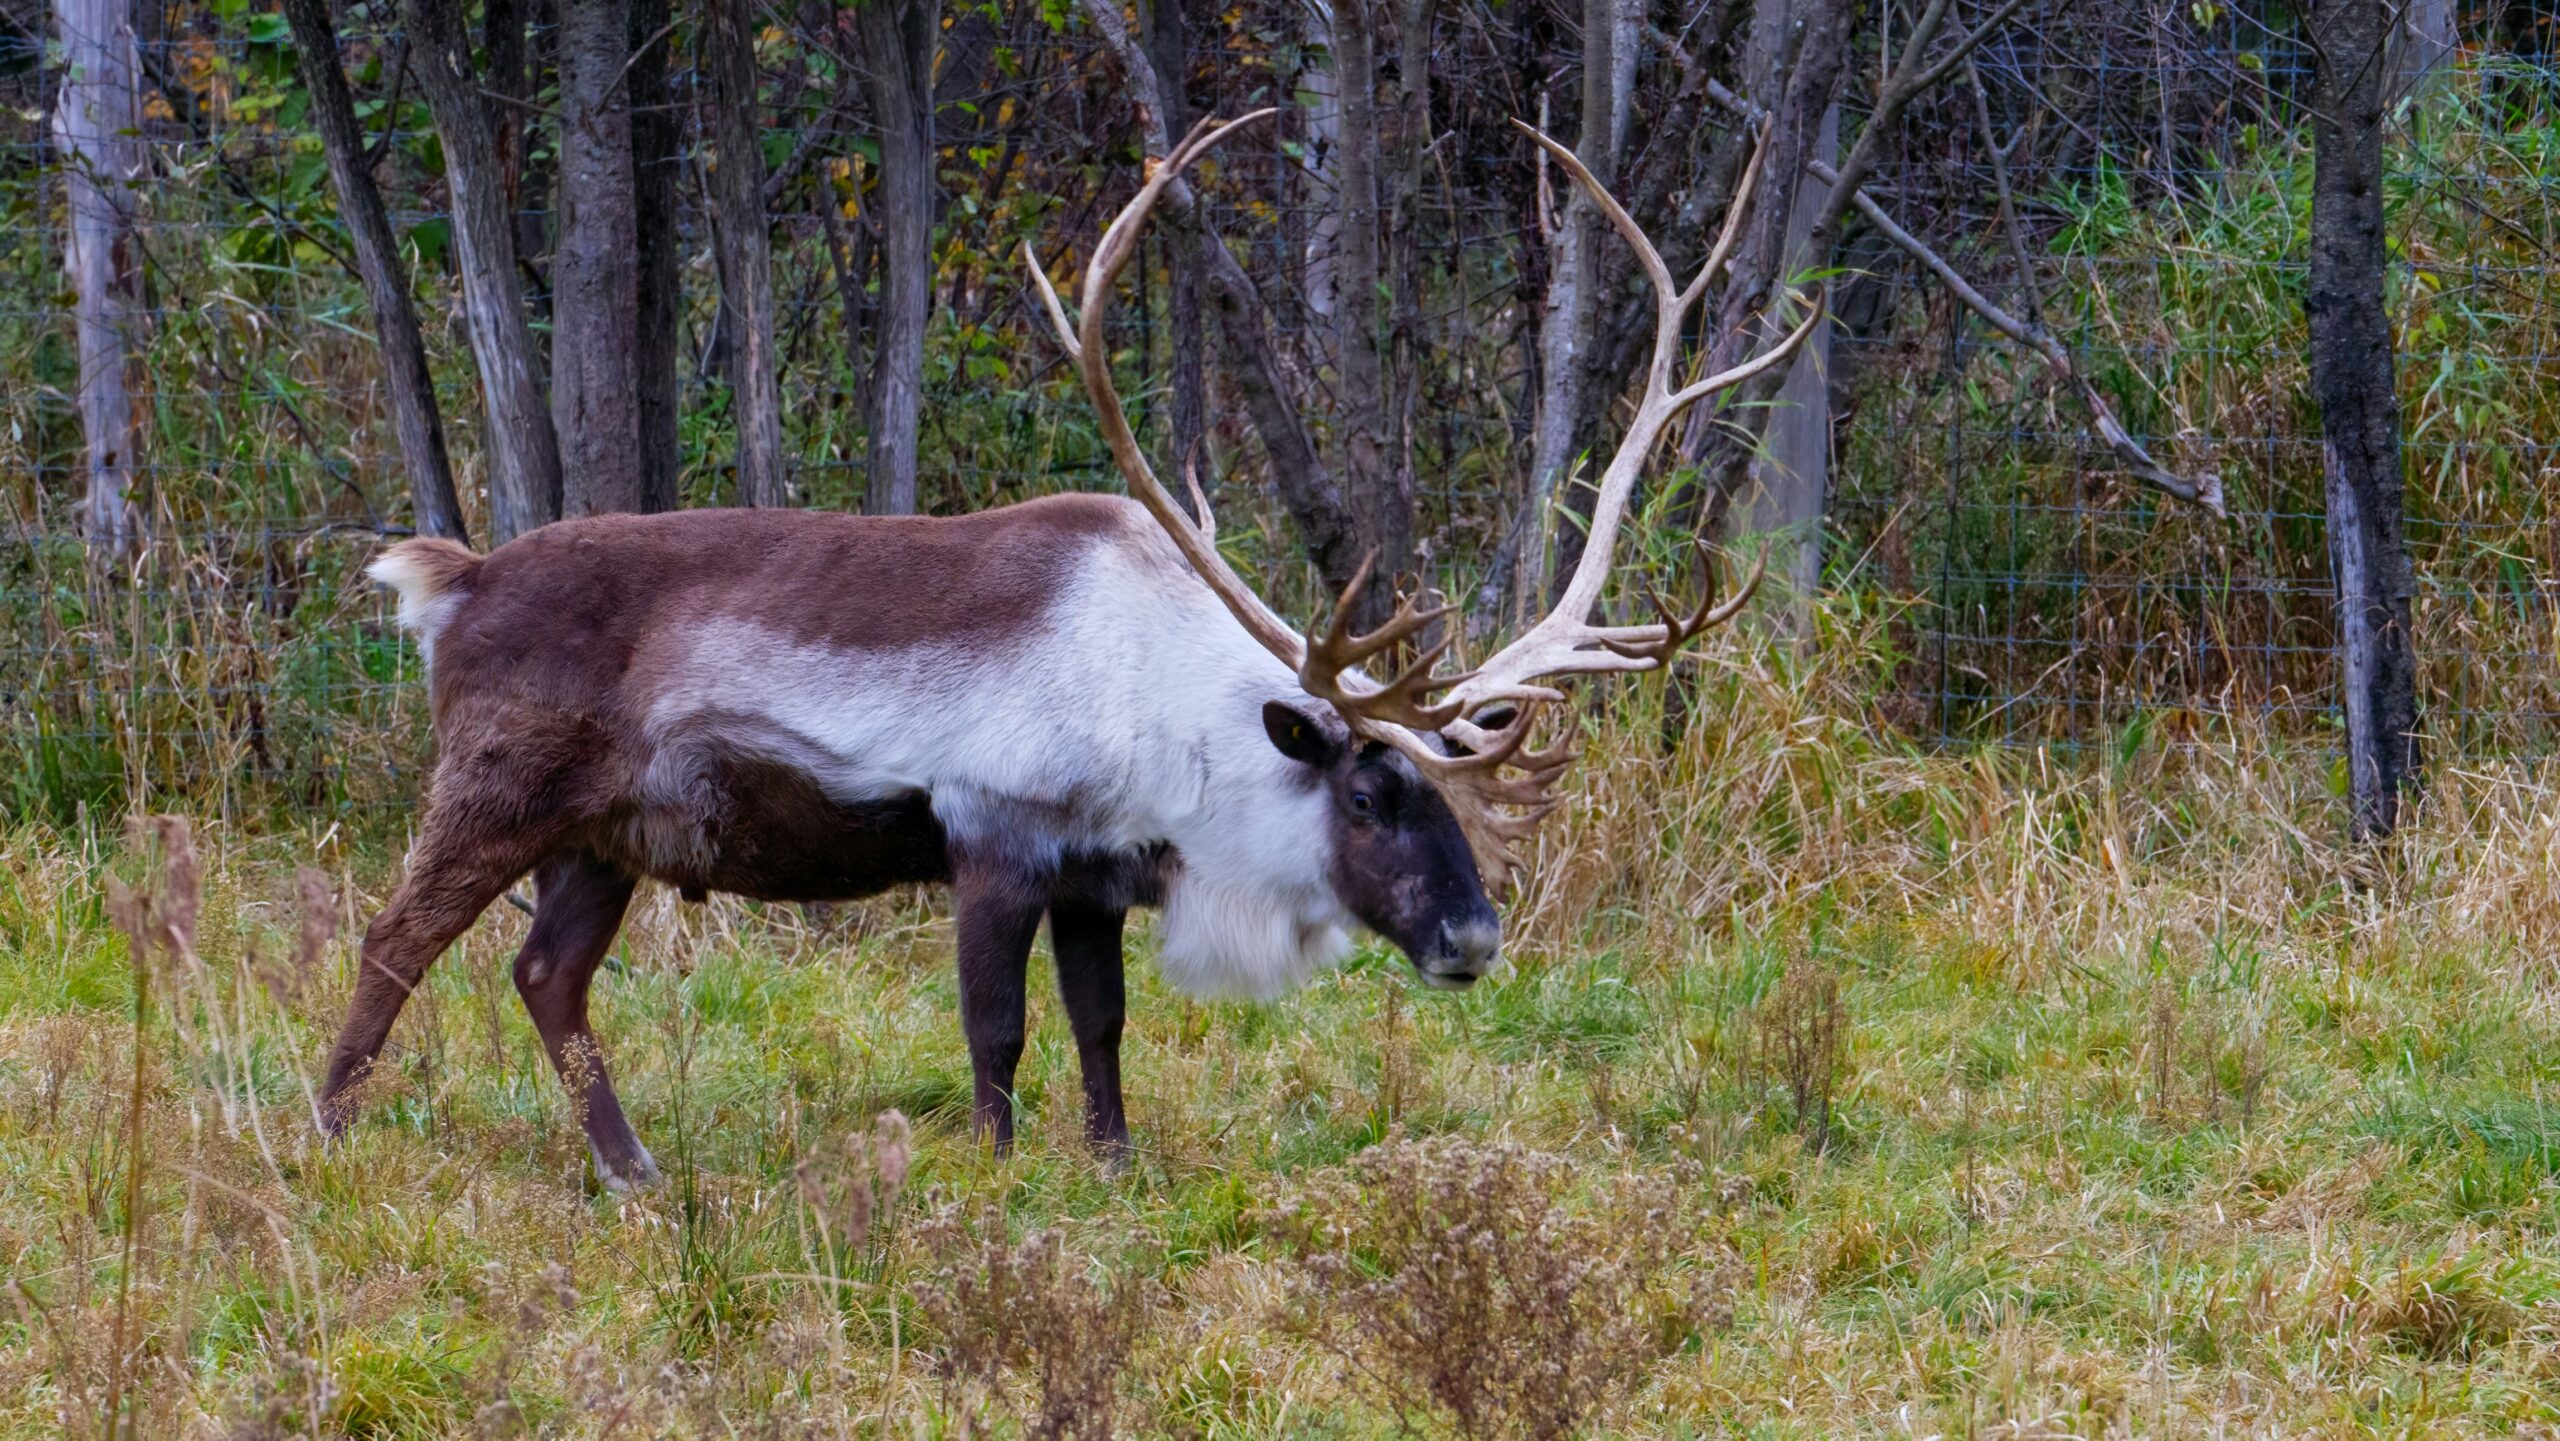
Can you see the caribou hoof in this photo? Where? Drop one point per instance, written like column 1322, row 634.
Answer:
column 628, row 1177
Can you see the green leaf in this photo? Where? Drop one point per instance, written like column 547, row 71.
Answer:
column 432, row 239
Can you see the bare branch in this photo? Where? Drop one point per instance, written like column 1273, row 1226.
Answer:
column 2204, row 490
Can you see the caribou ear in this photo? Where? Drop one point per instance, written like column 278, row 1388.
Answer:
column 1298, row 735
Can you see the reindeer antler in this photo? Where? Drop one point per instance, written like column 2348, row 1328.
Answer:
column 1497, row 786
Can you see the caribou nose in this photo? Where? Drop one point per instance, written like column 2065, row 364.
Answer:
column 1468, row 949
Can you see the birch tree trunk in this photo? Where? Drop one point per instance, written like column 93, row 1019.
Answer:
column 414, row 416
column 524, row 453
column 2354, row 375
column 595, row 282
column 746, row 261
column 655, row 170
column 899, row 38
column 95, row 123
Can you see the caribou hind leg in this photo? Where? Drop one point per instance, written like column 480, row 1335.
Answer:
column 1086, row 940
column 579, row 902
column 449, row 883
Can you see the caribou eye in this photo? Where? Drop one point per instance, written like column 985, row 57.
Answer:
column 1363, row 804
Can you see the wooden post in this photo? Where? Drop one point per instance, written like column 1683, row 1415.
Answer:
column 96, row 123
column 1785, row 500
column 2354, row 375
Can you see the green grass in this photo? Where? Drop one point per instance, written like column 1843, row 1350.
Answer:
column 2227, row 1141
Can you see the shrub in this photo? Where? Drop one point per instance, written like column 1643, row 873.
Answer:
column 1029, row 1307
column 1451, row 1270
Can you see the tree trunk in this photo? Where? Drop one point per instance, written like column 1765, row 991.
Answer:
column 1795, row 66
column 1404, row 229
column 1784, row 501
column 1605, row 264
column 655, row 171
column 1169, row 42
column 899, row 38
column 746, row 261
column 595, row 286
column 1382, row 510
column 95, row 121
column 502, row 47
column 414, row 417
column 2355, row 378
column 524, row 454
column 523, row 39
column 1564, row 329
column 849, row 255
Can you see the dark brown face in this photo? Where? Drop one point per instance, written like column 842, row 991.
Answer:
column 1400, row 863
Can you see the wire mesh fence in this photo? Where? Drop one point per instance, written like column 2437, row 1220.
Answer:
column 2161, row 164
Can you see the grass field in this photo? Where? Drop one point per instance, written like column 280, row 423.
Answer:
column 1838, row 1089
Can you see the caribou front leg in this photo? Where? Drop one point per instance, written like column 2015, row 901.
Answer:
column 1095, row 992
column 996, row 914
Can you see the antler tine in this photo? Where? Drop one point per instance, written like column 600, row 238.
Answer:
column 1677, row 630
column 1737, row 208
column 1086, row 345
column 1208, row 522
column 1778, row 354
column 1049, row 299
column 1402, row 700
column 1609, row 206
column 1740, row 598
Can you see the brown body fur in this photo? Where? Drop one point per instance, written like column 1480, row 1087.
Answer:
column 541, row 682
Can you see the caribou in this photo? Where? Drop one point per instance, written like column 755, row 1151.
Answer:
column 1059, row 709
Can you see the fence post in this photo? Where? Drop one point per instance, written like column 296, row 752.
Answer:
column 97, row 123
column 2354, row 374
column 1788, row 495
